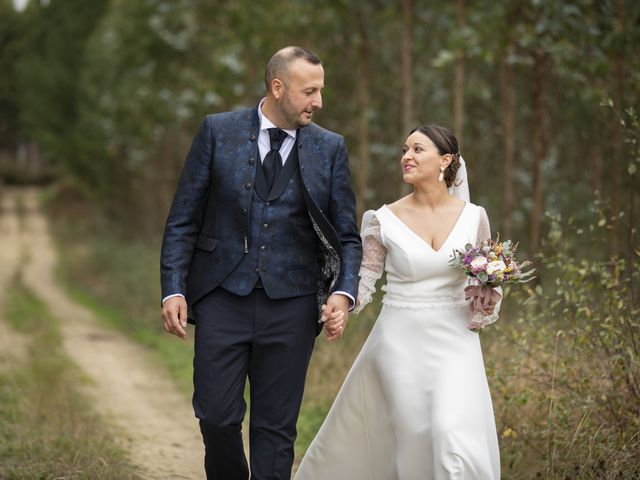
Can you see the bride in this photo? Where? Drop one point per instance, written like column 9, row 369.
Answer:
column 416, row 403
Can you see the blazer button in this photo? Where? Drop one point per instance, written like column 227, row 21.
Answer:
column 253, row 138
column 251, row 161
column 265, row 226
column 268, row 204
column 244, row 211
column 247, row 186
column 263, row 247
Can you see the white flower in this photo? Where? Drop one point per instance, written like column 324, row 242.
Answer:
column 497, row 266
column 478, row 263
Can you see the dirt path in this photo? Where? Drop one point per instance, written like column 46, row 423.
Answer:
column 152, row 420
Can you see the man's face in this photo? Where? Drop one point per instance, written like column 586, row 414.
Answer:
column 301, row 93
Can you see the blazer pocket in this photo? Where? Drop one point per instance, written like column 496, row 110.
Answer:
column 206, row 243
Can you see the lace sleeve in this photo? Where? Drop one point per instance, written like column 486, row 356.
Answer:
column 460, row 187
column 484, row 233
column 373, row 257
column 484, row 230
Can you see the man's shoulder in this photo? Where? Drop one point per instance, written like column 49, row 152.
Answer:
column 242, row 114
column 316, row 130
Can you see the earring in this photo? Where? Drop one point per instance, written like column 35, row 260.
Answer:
column 441, row 177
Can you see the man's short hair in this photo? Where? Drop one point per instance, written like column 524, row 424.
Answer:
column 278, row 64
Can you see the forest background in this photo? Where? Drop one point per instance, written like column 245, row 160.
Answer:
column 99, row 102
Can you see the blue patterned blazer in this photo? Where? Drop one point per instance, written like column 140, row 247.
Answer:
column 206, row 231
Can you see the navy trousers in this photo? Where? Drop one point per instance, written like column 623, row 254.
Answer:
column 270, row 343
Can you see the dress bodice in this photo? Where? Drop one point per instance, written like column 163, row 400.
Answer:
column 413, row 266
column 417, row 275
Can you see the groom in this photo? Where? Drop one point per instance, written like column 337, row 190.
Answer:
column 261, row 233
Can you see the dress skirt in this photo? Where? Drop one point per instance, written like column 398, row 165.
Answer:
column 415, row 405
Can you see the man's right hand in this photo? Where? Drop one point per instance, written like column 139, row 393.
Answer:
column 174, row 316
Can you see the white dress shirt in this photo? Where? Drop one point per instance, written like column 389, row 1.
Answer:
column 264, row 142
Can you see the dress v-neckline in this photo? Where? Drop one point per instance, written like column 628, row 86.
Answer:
column 422, row 239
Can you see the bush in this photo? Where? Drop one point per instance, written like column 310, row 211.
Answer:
column 564, row 367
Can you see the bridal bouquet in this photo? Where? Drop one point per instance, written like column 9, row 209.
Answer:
column 490, row 264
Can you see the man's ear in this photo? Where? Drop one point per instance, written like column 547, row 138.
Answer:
column 277, row 88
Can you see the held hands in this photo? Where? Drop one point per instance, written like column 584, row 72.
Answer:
column 335, row 314
column 174, row 316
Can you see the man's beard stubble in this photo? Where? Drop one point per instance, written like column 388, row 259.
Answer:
column 289, row 113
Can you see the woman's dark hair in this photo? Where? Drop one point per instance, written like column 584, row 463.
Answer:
column 446, row 143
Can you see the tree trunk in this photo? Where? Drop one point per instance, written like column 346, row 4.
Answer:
column 407, row 75
column 166, row 181
column 507, row 106
column 118, row 195
column 616, row 168
column 596, row 166
column 458, row 78
column 364, row 120
column 540, row 115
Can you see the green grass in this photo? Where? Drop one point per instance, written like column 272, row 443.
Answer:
column 311, row 417
column 48, row 429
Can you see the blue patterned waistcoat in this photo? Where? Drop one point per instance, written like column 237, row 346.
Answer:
column 282, row 246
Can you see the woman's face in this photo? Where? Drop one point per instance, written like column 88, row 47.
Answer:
column 420, row 160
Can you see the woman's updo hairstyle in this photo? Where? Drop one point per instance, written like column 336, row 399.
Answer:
column 446, row 143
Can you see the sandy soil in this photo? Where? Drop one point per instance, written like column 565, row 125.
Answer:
column 149, row 416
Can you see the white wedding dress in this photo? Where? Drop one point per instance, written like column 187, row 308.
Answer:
column 416, row 403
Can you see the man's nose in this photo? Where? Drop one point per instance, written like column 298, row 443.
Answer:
column 316, row 102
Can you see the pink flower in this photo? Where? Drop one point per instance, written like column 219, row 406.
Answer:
column 478, row 264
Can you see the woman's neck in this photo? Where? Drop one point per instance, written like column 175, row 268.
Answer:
column 430, row 198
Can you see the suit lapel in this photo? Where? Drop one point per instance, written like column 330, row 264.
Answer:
column 312, row 171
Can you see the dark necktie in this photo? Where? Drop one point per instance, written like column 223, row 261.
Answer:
column 272, row 163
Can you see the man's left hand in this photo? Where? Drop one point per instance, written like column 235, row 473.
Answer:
column 335, row 314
